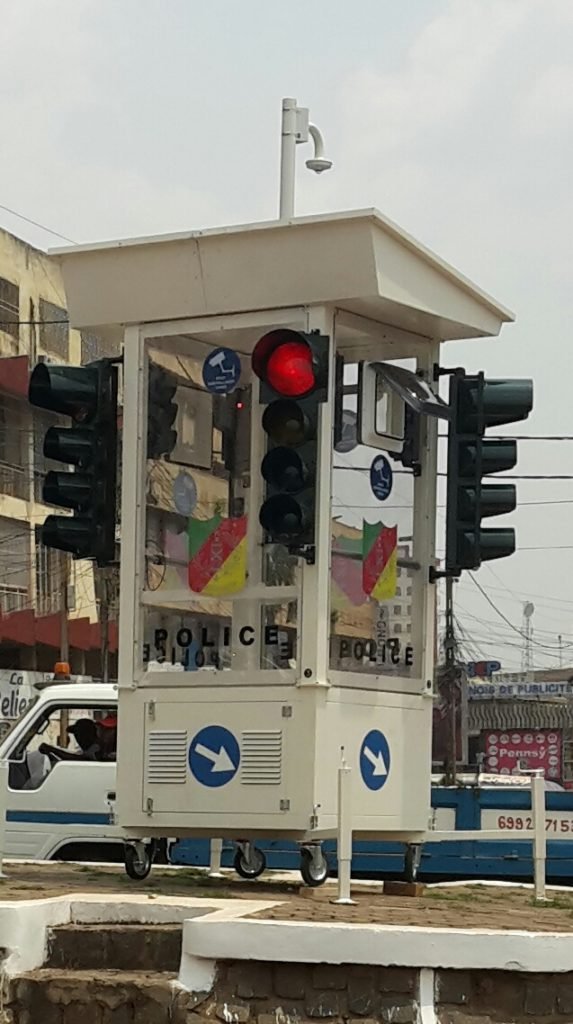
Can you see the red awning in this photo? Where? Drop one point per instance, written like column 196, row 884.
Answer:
column 14, row 376
column 27, row 629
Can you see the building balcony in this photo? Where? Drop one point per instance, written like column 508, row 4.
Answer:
column 48, row 604
column 14, row 481
column 12, row 598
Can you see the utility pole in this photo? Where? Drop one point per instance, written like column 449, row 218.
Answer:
column 106, row 590
column 64, row 635
column 104, row 628
column 527, row 630
column 451, row 681
column 64, row 607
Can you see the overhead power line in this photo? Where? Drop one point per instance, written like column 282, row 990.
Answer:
column 36, row 223
column 495, row 476
column 39, row 323
column 526, row 437
column 547, row 647
column 523, row 594
column 520, row 504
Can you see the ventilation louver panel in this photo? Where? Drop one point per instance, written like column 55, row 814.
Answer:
column 261, row 758
column 167, row 757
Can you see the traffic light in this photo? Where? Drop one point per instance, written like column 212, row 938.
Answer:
column 232, row 416
column 161, row 412
column 293, row 370
column 88, row 395
column 476, row 404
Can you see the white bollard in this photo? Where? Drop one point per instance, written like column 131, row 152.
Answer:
column 215, row 852
column 4, row 765
column 539, row 837
column 344, row 846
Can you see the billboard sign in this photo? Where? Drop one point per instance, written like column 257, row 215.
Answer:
column 482, row 669
column 520, row 689
column 512, row 751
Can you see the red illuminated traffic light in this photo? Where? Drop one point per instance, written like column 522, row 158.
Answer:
column 293, row 369
column 291, row 364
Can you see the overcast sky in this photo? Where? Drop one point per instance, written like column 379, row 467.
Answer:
column 453, row 117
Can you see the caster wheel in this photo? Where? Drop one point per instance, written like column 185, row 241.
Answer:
column 136, row 866
column 251, row 868
column 314, row 871
column 411, row 863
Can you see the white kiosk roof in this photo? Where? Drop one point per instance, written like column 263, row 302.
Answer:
column 358, row 261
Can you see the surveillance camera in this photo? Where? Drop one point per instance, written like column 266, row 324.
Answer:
column 319, row 164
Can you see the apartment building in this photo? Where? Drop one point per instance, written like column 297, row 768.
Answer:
column 41, row 590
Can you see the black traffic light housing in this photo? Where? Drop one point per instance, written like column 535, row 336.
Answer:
column 88, row 395
column 293, row 369
column 232, row 416
column 475, row 405
column 161, row 411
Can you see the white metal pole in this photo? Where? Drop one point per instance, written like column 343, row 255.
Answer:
column 3, row 805
column 344, row 846
column 215, row 851
column 288, row 159
column 539, row 839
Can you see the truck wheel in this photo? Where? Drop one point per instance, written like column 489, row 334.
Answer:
column 138, row 863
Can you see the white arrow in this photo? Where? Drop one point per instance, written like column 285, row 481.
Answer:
column 221, row 761
column 377, row 761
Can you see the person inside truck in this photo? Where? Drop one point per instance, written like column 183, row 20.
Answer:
column 85, row 733
column 107, row 737
column 32, row 759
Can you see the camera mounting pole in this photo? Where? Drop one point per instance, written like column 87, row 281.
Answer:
column 295, row 129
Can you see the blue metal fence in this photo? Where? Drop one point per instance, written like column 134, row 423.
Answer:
column 507, row 809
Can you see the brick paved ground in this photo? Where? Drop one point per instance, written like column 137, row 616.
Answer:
column 466, row 907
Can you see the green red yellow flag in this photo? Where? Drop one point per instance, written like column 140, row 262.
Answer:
column 379, row 560
column 217, row 555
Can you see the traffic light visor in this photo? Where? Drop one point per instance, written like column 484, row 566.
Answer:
column 68, row 534
column 493, row 403
column 284, row 468
column 283, row 517
column 68, row 490
column 75, row 446
column 286, row 423
column 284, row 360
column 71, row 390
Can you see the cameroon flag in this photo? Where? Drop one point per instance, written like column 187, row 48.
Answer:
column 217, row 555
column 379, row 560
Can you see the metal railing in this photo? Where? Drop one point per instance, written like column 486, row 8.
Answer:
column 48, row 603
column 12, row 598
column 536, row 835
column 14, row 481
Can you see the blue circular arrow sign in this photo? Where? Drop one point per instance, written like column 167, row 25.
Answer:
column 214, row 756
column 375, row 759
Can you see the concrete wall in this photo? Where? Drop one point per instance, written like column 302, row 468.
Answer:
column 263, row 993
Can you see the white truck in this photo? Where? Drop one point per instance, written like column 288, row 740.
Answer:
column 60, row 809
